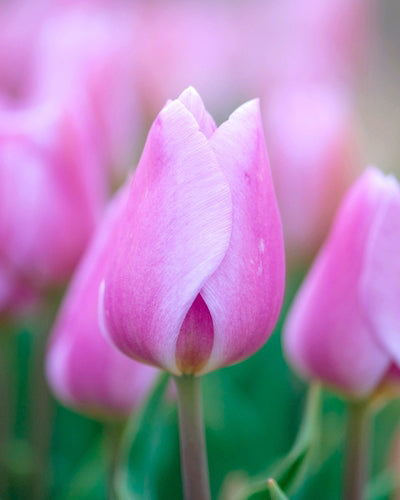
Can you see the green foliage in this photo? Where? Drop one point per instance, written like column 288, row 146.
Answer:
column 255, row 428
column 293, row 467
column 275, row 492
column 142, row 447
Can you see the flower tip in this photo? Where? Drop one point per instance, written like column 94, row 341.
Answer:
column 188, row 93
column 250, row 111
column 378, row 179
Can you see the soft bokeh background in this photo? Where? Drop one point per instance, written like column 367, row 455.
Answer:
column 80, row 83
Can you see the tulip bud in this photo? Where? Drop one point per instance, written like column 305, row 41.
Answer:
column 337, row 329
column 83, row 368
column 52, row 192
column 196, row 278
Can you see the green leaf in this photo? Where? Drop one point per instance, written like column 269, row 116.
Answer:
column 292, row 469
column 88, row 481
column 383, row 486
column 274, row 490
column 139, row 449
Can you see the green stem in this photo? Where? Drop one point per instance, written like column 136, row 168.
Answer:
column 114, row 432
column 6, row 371
column 356, row 467
column 193, row 445
column 41, row 403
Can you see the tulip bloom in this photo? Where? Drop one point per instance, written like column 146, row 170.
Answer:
column 196, row 278
column 313, row 149
column 88, row 48
column 342, row 326
column 83, row 368
column 52, row 192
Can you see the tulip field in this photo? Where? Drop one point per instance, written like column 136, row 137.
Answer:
column 199, row 250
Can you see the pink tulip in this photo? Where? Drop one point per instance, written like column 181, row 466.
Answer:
column 337, row 329
column 196, row 278
column 183, row 43
column 20, row 23
column 16, row 295
column 312, row 142
column 89, row 48
column 270, row 44
column 52, row 192
column 380, row 290
column 83, row 368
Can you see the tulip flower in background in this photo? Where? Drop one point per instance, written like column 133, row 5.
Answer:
column 341, row 328
column 16, row 296
column 109, row 52
column 333, row 332
column 312, row 142
column 196, row 278
column 84, row 369
column 248, row 48
column 20, row 23
column 299, row 42
column 88, row 49
column 49, row 204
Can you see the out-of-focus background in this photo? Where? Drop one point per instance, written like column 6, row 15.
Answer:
column 80, row 84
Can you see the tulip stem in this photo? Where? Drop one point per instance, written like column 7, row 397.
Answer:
column 356, row 467
column 192, row 439
column 113, row 437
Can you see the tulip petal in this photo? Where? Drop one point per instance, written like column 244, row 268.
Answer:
column 173, row 236
column 380, row 284
column 83, row 368
column 196, row 337
column 326, row 334
column 194, row 104
column 245, row 294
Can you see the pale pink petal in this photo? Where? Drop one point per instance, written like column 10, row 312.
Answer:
column 194, row 104
column 83, row 368
column 326, row 334
column 380, row 283
column 52, row 191
column 173, row 236
column 245, row 293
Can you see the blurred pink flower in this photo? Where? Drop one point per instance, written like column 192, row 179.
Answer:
column 336, row 330
column 20, row 23
column 245, row 48
column 179, row 44
column 196, row 278
column 89, row 49
column 128, row 57
column 305, row 41
column 312, row 142
column 83, row 368
column 16, row 295
column 52, row 192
